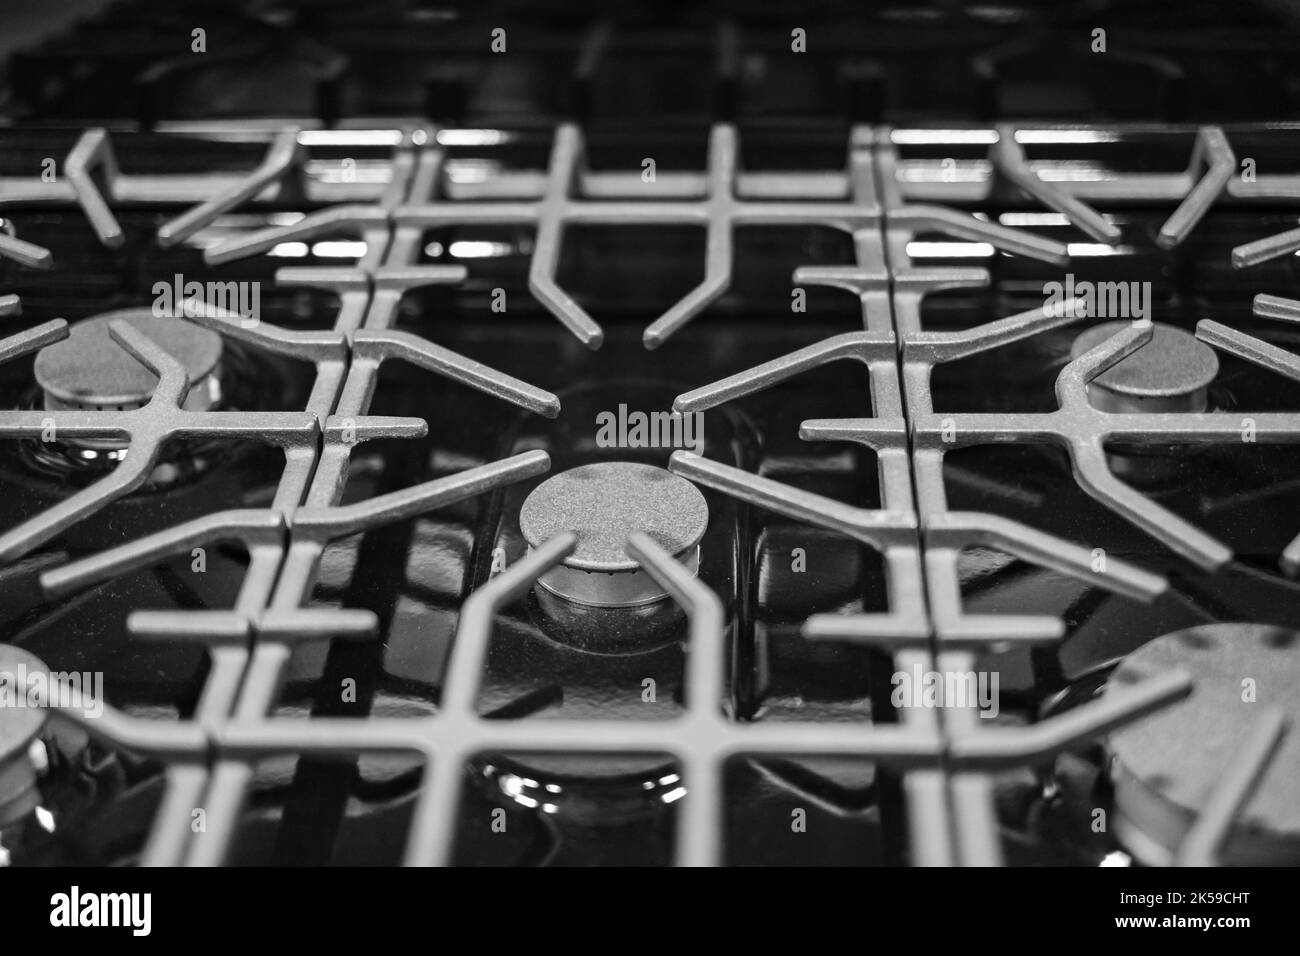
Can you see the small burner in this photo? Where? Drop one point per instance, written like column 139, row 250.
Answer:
column 90, row 370
column 1170, row 373
column 1166, row 765
column 20, row 728
column 602, row 504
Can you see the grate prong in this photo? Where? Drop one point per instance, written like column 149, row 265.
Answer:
column 319, row 524
column 863, row 346
column 94, row 149
column 284, row 154
column 1212, row 148
column 1000, row 747
column 25, row 253
column 960, row 529
column 950, row 346
column 352, row 219
column 1248, row 347
column 1009, row 160
column 953, row 222
column 1204, row 841
column 1262, row 250
column 32, row 340
column 381, row 344
column 874, row 527
column 249, row 526
column 1276, row 307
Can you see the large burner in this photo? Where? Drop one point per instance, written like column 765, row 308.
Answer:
column 1166, row 765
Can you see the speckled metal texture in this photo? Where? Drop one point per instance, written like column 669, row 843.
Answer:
column 89, row 369
column 19, row 730
column 21, row 723
column 946, row 766
column 1170, row 374
column 1167, row 767
column 603, row 503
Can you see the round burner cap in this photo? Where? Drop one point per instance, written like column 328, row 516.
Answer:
column 1166, row 765
column 90, row 370
column 20, row 726
column 1169, row 373
column 603, row 504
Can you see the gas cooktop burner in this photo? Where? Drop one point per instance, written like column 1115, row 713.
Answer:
column 602, row 504
column 21, row 722
column 367, row 581
column 1172, row 373
column 91, row 370
column 1165, row 769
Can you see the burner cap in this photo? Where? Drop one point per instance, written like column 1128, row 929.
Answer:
column 1166, row 765
column 20, row 726
column 1170, row 373
column 90, row 370
column 602, row 504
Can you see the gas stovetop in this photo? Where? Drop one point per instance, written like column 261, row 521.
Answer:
column 703, row 436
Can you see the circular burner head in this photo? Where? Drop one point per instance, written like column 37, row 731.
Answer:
column 1166, row 765
column 1170, row 373
column 90, row 370
column 20, row 726
column 603, row 504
